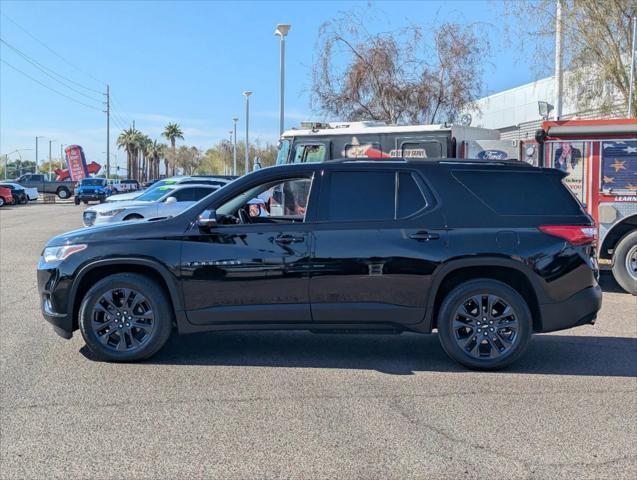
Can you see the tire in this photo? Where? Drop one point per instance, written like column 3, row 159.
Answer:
column 102, row 336
column 133, row 216
column 461, row 324
column 63, row 193
column 102, row 200
column 625, row 262
column 85, row 202
column 2, row 202
column 77, row 201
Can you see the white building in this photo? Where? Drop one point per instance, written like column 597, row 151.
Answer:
column 515, row 112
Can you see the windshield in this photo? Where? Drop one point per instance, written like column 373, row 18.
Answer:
column 151, row 195
column 93, row 182
column 282, row 154
column 161, row 183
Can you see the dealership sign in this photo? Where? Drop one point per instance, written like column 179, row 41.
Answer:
column 76, row 162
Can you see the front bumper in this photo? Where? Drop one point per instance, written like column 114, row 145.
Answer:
column 52, row 295
column 579, row 309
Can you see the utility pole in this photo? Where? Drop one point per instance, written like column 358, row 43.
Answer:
column 229, row 168
column 36, row 152
column 558, row 61
column 631, row 87
column 247, row 94
column 108, row 132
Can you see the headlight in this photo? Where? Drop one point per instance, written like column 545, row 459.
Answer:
column 55, row 254
column 111, row 213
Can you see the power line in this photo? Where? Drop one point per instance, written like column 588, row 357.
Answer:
column 46, row 71
column 50, row 88
column 51, row 50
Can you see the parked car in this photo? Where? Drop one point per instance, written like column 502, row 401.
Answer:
column 161, row 202
column 30, row 193
column 63, row 189
column 92, row 189
column 486, row 253
column 123, row 186
column 6, row 197
column 202, row 180
column 18, row 193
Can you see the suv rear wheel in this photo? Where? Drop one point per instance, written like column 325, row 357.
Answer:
column 484, row 324
column 125, row 317
column 63, row 193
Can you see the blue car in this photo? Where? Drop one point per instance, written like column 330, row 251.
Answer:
column 92, row 189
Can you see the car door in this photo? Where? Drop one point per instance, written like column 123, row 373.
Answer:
column 378, row 239
column 257, row 271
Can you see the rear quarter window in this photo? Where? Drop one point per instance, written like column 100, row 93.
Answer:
column 520, row 193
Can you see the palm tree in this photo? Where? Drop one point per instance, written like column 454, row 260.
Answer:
column 172, row 132
column 129, row 140
column 154, row 151
column 143, row 143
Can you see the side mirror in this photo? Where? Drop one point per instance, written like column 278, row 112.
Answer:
column 207, row 219
column 170, row 200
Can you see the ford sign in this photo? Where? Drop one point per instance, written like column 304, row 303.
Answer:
column 492, row 155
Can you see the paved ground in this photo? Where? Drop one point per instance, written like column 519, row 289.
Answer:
column 297, row 405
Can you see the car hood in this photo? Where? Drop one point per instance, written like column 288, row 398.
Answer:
column 105, row 207
column 120, row 230
column 123, row 196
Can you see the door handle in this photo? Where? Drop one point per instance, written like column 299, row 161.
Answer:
column 423, row 236
column 287, row 239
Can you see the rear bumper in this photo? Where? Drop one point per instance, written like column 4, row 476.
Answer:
column 579, row 309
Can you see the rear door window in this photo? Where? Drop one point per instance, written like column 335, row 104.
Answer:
column 359, row 196
column 520, row 193
column 410, row 197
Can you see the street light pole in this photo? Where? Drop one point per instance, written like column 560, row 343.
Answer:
column 281, row 31
column 234, row 147
column 229, row 168
column 247, row 94
column 50, row 160
column 631, row 87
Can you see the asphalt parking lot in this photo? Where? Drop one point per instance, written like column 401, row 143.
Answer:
column 298, row 405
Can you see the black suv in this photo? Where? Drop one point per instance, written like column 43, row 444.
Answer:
column 486, row 253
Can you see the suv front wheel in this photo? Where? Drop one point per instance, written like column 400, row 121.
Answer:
column 484, row 324
column 125, row 317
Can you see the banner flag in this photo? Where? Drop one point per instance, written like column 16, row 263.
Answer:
column 76, row 162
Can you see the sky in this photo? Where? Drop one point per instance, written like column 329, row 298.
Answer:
column 186, row 62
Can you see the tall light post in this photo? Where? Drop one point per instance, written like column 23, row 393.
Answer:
column 234, row 147
column 281, row 31
column 247, row 94
column 631, row 88
column 50, row 159
column 37, row 163
column 229, row 169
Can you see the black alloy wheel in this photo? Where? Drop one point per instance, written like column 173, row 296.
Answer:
column 125, row 317
column 484, row 324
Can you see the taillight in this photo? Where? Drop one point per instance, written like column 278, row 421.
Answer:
column 573, row 234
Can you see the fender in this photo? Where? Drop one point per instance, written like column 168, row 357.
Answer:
column 474, row 261
column 173, row 287
column 603, row 244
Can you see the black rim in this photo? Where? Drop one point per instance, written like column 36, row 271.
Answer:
column 485, row 326
column 123, row 320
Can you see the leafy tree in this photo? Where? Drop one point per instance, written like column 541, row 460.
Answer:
column 398, row 76
column 172, row 132
column 596, row 44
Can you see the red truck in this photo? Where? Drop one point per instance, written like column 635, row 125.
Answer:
column 600, row 158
